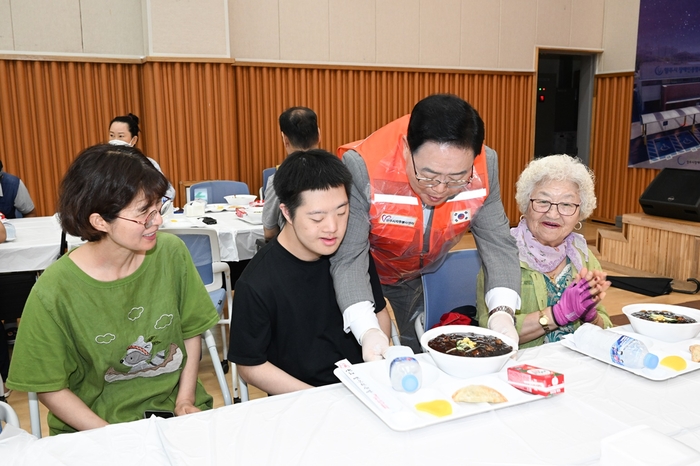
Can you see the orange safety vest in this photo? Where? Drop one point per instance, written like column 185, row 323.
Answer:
column 396, row 235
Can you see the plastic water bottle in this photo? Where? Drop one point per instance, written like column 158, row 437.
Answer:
column 405, row 372
column 619, row 349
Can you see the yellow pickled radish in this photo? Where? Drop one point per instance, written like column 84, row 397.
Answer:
column 674, row 362
column 439, row 408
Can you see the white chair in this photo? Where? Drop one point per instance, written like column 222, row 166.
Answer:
column 34, row 414
column 450, row 286
column 203, row 244
column 8, row 415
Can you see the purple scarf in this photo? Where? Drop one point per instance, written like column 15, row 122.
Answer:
column 543, row 258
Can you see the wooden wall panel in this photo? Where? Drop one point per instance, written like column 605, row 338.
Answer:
column 189, row 121
column 617, row 187
column 219, row 121
column 50, row 111
column 352, row 103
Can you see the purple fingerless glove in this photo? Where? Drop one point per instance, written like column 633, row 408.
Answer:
column 575, row 302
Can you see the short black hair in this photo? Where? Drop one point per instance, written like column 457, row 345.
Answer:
column 104, row 179
column 300, row 125
column 445, row 119
column 131, row 120
column 312, row 170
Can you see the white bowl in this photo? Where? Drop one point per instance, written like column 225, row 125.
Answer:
column 242, row 200
column 462, row 366
column 660, row 330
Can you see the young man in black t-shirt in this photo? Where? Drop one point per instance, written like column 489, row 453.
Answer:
column 286, row 327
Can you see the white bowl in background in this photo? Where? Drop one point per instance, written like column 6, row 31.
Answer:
column 661, row 330
column 240, row 200
column 464, row 366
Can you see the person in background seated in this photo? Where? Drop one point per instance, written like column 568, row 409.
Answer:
column 419, row 183
column 286, row 327
column 562, row 281
column 14, row 196
column 111, row 331
column 299, row 129
column 124, row 131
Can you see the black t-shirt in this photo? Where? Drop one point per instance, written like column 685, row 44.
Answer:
column 285, row 312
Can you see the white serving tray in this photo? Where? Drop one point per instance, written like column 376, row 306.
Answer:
column 215, row 207
column 657, row 347
column 247, row 219
column 370, row 383
column 181, row 221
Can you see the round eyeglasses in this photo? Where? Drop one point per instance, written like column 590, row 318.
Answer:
column 148, row 223
column 564, row 208
column 432, row 182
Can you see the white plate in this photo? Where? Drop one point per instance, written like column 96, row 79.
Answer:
column 215, row 207
column 657, row 347
column 369, row 382
column 182, row 222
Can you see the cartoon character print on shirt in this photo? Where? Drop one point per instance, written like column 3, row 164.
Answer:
column 141, row 359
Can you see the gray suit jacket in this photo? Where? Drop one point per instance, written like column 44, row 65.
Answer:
column 490, row 227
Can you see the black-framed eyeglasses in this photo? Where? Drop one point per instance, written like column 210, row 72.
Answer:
column 564, row 208
column 148, row 223
column 432, row 182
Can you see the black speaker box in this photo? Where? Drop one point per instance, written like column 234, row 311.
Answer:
column 673, row 193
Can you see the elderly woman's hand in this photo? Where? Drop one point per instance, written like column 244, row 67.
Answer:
column 599, row 284
column 576, row 301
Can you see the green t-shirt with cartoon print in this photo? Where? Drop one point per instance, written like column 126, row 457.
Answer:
column 119, row 345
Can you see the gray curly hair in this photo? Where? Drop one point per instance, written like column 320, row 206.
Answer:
column 557, row 168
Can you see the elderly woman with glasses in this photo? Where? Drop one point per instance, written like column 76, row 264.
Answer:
column 111, row 331
column 562, row 282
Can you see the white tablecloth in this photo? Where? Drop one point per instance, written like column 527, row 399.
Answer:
column 36, row 247
column 236, row 237
column 329, row 425
column 38, row 241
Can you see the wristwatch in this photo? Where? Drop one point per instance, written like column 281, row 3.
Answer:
column 544, row 322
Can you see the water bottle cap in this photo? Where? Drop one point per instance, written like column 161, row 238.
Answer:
column 409, row 383
column 651, row 361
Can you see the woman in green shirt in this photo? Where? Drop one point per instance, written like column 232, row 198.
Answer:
column 112, row 329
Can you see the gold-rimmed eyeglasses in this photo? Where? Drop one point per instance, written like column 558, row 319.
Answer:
column 564, row 208
column 148, row 223
column 432, row 182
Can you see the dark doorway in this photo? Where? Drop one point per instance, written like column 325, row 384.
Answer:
column 563, row 107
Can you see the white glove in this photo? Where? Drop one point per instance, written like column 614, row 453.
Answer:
column 502, row 322
column 374, row 345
